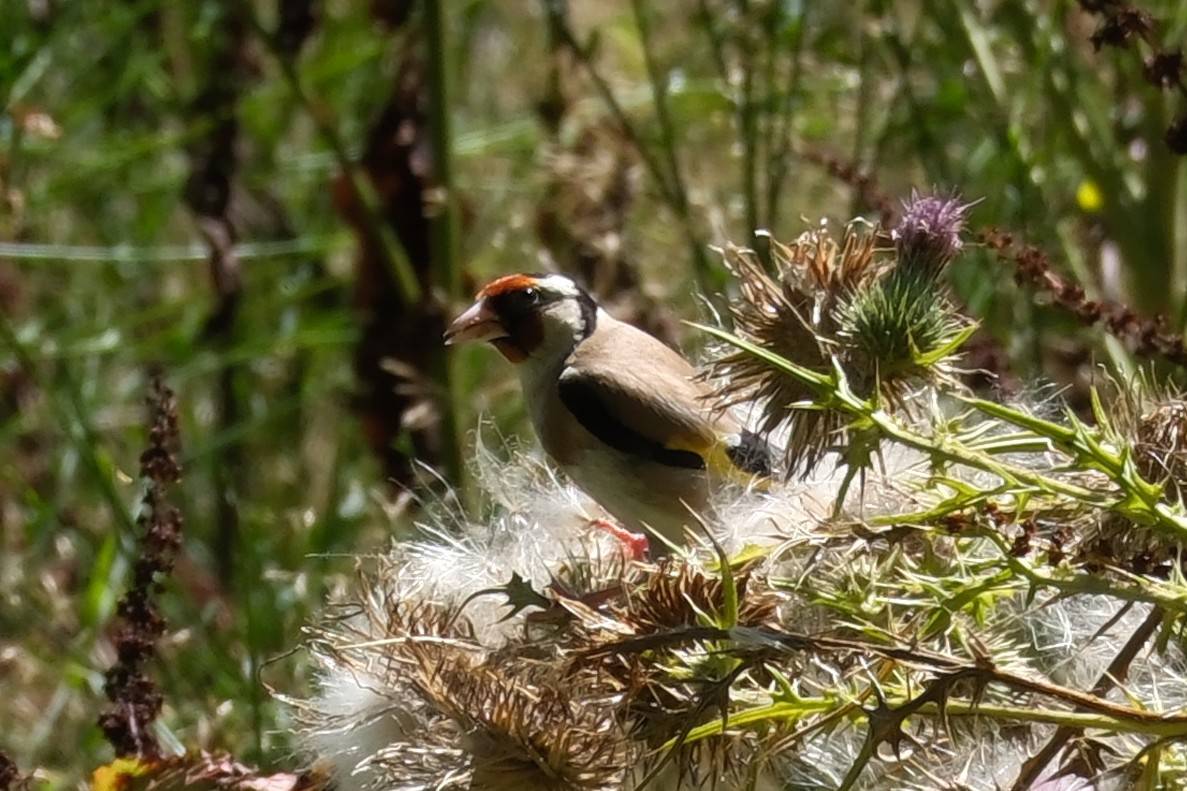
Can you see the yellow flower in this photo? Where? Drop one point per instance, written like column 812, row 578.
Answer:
column 116, row 775
column 1089, row 197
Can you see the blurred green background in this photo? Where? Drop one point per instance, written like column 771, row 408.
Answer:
column 279, row 203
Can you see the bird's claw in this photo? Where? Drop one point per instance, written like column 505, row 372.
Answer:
column 635, row 545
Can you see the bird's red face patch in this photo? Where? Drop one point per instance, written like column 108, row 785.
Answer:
column 506, row 284
column 513, row 299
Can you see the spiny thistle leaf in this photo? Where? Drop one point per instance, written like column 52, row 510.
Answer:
column 520, row 595
column 1147, row 424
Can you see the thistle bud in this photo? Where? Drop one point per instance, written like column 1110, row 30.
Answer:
column 927, row 237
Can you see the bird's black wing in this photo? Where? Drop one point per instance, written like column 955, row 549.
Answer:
column 641, row 427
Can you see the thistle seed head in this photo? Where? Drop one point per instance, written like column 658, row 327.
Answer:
column 792, row 315
column 1152, row 420
column 884, row 321
column 1146, row 422
column 498, row 719
column 679, row 593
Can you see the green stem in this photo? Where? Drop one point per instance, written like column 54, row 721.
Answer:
column 1141, row 501
column 1143, row 590
column 584, row 57
column 781, row 711
column 403, row 275
column 708, row 278
column 444, row 228
column 444, row 221
column 1071, row 719
column 806, row 707
column 748, row 127
column 1178, row 233
column 862, row 105
column 717, row 47
column 740, row 101
column 783, row 123
column 705, row 273
column 930, row 148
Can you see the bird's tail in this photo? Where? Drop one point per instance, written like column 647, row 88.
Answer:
column 750, row 453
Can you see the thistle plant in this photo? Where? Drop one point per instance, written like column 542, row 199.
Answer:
column 927, row 237
column 881, row 317
column 901, row 329
column 1151, row 421
column 1009, row 607
column 793, row 315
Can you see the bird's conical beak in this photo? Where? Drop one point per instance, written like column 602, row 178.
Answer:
column 478, row 323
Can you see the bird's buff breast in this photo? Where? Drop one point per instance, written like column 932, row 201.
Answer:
column 635, row 492
column 640, row 493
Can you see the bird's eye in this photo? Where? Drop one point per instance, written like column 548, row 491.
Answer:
column 532, row 295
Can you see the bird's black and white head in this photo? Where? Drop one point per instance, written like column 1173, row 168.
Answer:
column 528, row 317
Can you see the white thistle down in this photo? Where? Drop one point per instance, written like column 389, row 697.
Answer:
column 904, row 619
column 368, row 728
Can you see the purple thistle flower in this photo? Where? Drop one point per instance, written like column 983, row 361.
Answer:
column 927, row 237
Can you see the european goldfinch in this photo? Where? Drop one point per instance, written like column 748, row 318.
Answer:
column 623, row 415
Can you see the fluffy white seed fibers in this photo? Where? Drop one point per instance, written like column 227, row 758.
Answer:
column 533, row 522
